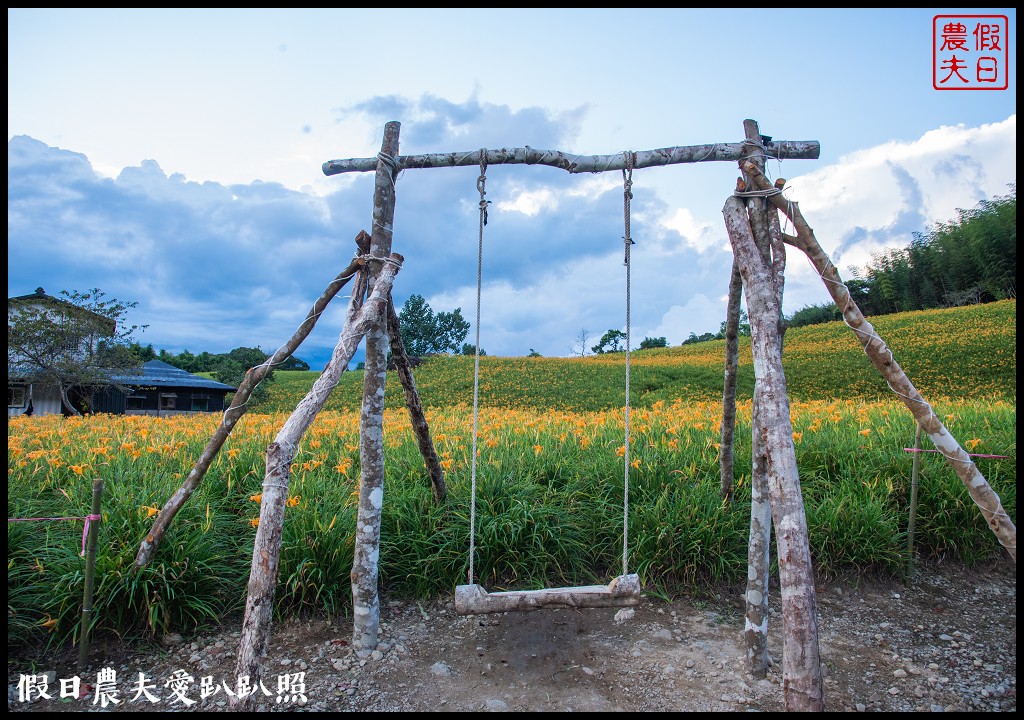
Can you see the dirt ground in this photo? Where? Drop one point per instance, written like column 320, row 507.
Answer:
column 946, row 642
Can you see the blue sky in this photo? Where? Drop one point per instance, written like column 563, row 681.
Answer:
column 173, row 158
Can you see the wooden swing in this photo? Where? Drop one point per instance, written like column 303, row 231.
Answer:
column 623, row 591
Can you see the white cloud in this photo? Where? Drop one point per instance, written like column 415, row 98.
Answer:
column 878, row 197
column 215, row 267
column 698, row 234
column 698, row 315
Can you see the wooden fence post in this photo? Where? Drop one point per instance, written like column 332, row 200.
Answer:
column 90, row 573
column 912, row 522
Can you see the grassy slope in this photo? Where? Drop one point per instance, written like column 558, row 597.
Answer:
column 949, row 353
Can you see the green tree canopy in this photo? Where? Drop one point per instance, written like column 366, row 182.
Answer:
column 611, row 341
column 424, row 332
column 650, row 342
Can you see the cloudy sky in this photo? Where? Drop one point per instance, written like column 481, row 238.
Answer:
column 174, row 158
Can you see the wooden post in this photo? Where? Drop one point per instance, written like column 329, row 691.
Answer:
column 772, row 252
column 92, row 541
column 365, row 598
column 915, row 475
column 801, row 669
column 417, row 418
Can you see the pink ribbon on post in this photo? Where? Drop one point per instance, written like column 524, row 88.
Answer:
column 85, row 530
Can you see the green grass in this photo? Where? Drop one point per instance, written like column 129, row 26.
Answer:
column 957, row 352
column 550, row 484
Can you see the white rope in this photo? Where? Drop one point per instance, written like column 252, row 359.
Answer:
column 481, row 183
column 627, row 195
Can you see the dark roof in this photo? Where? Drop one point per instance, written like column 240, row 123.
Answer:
column 40, row 296
column 157, row 373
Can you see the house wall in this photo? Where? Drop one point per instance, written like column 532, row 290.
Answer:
column 44, row 402
column 140, row 402
column 108, row 400
column 166, row 401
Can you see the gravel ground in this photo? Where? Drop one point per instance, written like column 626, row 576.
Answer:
column 946, row 642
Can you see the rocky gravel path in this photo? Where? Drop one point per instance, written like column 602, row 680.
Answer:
column 946, row 642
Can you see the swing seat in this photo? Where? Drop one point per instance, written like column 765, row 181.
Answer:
column 623, row 591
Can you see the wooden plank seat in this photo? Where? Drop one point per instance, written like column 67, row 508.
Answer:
column 623, row 591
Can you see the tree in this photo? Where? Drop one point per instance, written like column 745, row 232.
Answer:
column 815, row 314
column 744, row 327
column 470, row 349
column 580, row 346
column 611, row 341
column 145, row 354
column 704, row 337
column 970, row 259
column 424, row 332
column 533, row 353
column 294, row 363
column 649, row 342
column 186, row 361
column 232, row 367
column 74, row 345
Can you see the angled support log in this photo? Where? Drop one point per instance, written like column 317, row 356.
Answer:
column 417, row 418
column 255, row 636
column 238, row 408
column 726, row 453
column 882, row 358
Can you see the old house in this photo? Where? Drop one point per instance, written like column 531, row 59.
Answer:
column 156, row 388
column 78, row 335
column 165, row 390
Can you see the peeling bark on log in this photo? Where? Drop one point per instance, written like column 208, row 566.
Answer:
column 256, row 625
column 755, row 626
column 417, row 418
column 882, row 358
column 801, row 669
column 732, row 353
column 574, row 163
column 365, row 597
column 238, row 408
column 772, row 253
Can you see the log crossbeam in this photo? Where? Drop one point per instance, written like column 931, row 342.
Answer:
column 575, row 163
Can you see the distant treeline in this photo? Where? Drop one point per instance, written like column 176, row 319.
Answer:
column 244, row 357
column 970, row 260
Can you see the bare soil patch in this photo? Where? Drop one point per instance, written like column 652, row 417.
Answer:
column 946, row 641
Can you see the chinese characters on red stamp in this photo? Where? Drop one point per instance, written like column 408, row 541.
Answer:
column 970, row 52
